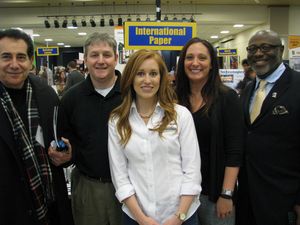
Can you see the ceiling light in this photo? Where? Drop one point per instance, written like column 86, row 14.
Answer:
column 92, row 21
column 47, row 24
column 128, row 18
column 82, row 33
column 48, row 39
column 67, row 46
column 166, row 18
column 74, row 23
column 120, row 21
column 56, row 23
column 102, row 22
column 36, row 35
column 238, row 25
column 83, row 23
column 60, row 44
column 224, row 32
column 184, row 19
column 175, row 18
column 138, row 18
column 111, row 22
column 192, row 19
column 65, row 23
column 214, row 36
column 148, row 18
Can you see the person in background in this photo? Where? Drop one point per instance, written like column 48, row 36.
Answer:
column 74, row 75
column 249, row 76
column 32, row 190
column 219, row 124
column 83, row 118
column 269, row 183
column 245, row 65
column 47, row 74
column 33, row 70
column 60, row 81
column 153, row 150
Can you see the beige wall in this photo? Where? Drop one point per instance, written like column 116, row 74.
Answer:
column 241, row 40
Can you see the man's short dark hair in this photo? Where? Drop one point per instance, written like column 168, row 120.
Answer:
column 18, row 34
column 245, row 61
column 72, row 64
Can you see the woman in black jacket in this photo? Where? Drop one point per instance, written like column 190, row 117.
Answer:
column 219, row 124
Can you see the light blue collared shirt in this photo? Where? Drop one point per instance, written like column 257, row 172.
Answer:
column 271, row 79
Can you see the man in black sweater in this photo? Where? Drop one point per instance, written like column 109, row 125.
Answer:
column 84, row 115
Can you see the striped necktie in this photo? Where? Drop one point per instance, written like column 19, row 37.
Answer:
column 258, row 100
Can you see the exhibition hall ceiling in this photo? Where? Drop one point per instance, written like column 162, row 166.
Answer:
column 212, row 16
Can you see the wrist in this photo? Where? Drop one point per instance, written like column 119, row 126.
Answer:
column 226, row 193
column 181, row 216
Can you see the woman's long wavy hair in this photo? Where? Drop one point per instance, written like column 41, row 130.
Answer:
column 165, row 94
column 210, row 90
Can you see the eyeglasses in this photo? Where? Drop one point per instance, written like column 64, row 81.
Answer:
column 252, row 49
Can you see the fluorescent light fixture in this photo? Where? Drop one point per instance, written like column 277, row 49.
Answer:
column 214, row 36
column 82, row 33
column 67, row 46
column 48, row 39
column 17, row 28
column 60, row 44
column 36, row 35
column 238, row 25
column 224, row 32
column 72, row 27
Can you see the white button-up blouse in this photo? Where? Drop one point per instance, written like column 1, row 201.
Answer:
column 158, row 170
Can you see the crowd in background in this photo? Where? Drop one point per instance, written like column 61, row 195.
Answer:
column 149, row 149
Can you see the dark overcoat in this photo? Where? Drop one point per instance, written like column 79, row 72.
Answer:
column 15, row 198
column 270, row 179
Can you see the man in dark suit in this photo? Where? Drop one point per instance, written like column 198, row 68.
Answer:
column 269, row 182
column 32, row 190
column 74, row 75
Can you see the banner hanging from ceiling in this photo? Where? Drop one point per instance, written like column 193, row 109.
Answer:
column 158, row 35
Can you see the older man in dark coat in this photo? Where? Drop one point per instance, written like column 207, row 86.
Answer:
column 32, row 190
column 269, row 184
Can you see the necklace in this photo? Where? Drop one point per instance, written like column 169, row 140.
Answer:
column 144, row 116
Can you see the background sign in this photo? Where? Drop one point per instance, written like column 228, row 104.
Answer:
column 227, row 51
column 47, row 51
column 231, row 77
column 158, row 35
column 294, row 52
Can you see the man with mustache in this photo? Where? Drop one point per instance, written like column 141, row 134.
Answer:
column 269, row 182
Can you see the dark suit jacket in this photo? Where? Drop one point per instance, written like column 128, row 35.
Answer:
column 73, row 78
column 270, row 179
column 15, row 199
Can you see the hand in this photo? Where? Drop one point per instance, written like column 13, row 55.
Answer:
column 58, row 158
column 148, row 221
column 173, row 220
column 224, row 207
column 297, row 210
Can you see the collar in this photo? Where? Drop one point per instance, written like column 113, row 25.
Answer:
column 273, row 77
column 157, row 107
column 90, row 90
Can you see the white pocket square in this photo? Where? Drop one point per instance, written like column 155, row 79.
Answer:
column 280, row 110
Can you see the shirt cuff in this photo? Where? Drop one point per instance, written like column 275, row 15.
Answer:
column 190, row 189
column 124, row 192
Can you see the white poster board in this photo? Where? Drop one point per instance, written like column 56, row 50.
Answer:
column 231, row 77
